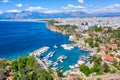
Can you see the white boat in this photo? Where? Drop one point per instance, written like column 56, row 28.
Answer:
column 52, row 54
column 61, row 58
column 54, row 68
column 71, row 66
column 55, row 46
column 55, row 64
column 67, row 46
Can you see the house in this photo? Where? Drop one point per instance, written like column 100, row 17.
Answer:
column 108, row 58
column 112, row 45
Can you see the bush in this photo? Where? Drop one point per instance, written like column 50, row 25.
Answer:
column 85, row 69
column 113, row 71
column 99, row 79
column 78, row 78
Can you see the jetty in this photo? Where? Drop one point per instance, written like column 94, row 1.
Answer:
column 39, row 52
column 59, row 59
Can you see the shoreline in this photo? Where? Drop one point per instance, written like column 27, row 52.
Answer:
column 54, row 29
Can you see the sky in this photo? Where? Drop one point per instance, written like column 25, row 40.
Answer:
column 58, row 6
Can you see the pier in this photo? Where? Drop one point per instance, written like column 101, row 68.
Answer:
column 39, row 52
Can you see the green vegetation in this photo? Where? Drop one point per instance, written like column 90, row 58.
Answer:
column 113, row 71
column 3, row 68
column 116, row 65
column 27, row 68
column 98, row 68
column 51, row 22
column 59, row 73
column 78, row 78
column 106, row 68
column 67, row 28
column 115, row 33
column 96, row 29
column 85, row 69
column 99, row 79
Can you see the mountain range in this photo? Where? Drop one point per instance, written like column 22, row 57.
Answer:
column 39, row 15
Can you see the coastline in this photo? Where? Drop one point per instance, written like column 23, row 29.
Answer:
column 75, row 41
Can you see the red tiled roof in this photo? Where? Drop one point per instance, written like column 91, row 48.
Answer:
column 112, row 45
column 109, row 58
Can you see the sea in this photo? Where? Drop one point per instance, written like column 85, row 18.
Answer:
column 19, row 38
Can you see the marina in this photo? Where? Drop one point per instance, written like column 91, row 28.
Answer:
column 45, row 61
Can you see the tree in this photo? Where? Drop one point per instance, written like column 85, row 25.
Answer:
column 99, row 79
column 85, row 69
column 78, row 78
column 96, row 45
column 95, row 68
column 59, row 73
column 44, row 76
column 98, row 49
column 106, row 68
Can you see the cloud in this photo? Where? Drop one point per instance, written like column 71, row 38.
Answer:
column 110, row 8
column 70, row 6
column 19, row 5
column 38, row 8
column 113, row 7
column 51, row 11
column 81, row 1
column 14, row 10
column 0, row 12
column 5, row 1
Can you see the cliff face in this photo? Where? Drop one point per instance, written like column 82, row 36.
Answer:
column 62, row 31
column 52, row 28
column 59, row 30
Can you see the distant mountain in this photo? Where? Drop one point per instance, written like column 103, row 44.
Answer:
column 39, row 15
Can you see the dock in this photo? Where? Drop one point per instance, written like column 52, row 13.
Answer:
column 39, row 52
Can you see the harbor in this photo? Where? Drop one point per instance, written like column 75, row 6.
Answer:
column 45, row 57
column 45, row 62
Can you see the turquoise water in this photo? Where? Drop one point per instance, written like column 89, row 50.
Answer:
column 21, row 38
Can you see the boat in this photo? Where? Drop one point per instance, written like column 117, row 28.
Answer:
column 55, row 46
column 51, row 54
column 55, row 64
column 68, row 46
column 49, row 62
column 71, row 66
column 61, row 58
column 54, row 68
